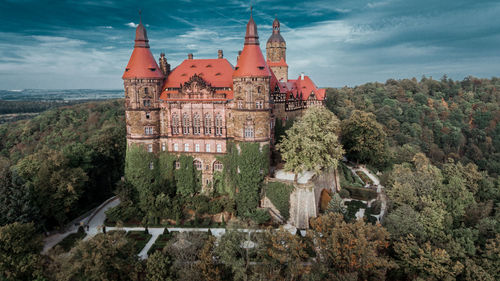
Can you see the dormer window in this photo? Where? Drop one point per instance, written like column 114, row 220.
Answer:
column 261, row 67
column 152, row 69
column 209, row 65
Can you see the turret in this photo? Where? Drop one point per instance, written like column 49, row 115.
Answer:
column 251, row 82
column 276, row 53
column 142, row 80
column 164, row 66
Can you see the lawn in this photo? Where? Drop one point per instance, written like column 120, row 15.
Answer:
column 69, row 241
column 140, row 238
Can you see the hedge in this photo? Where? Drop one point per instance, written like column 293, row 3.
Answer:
column 279, row 194
column 361, row 193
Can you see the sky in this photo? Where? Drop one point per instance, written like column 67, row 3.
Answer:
column 86, row 44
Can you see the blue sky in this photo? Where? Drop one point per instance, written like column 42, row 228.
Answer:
column 87, row 43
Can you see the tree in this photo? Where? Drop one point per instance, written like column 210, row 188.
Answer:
column 108, row 256
column 56, row 186
column 346, row 248
column 427, row 262
column 312, row 144
column 363, row 137
column 286, row 254
column 336, row 205
column 158, row 267
column 20, row 248
column 209, row 266
column 233, row 255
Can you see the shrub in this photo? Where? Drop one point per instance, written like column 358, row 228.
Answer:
column 375, row 207
column 125, row 211
column 216, row 206
column 344, row 193
column 352, row 208
column 260, row 216
column 361, row 193
column 279, row 194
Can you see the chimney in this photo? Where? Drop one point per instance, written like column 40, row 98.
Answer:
column 190, row 56
column 302, row 76
column 220, row 54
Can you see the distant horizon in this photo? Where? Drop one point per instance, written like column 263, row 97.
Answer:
column 82, row 44
column 381, row 82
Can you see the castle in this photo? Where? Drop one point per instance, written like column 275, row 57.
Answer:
column 202, row 104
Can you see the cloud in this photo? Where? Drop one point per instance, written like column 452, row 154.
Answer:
column 131, row 24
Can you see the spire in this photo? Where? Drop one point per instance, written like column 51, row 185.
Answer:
column 141, row 36
column 276, row 36
column 251, row 37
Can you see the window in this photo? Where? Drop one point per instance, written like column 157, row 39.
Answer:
column 259, row 89
column 240, row 104
column 259, row 104
column 150, row 148
column 218, row 166
column 186, row 147
column 218, row 125
column 249, row 131
column 197, row 147
column 151, row 165
column 196, row 124
column 176, row 147
column 208, row 124
column 163, row 146
column 146, row 91
column 219, row 147
column 147, row 115
column 148, row 130
column 147, row 103
column 185, row 124
column 207, row 147
column 175, row 124
column 177, row 165
column 197, row 164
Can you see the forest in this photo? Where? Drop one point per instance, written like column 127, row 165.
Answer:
column 434, row 143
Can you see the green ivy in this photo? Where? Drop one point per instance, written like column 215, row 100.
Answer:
column 279, row 194
column 187, row 177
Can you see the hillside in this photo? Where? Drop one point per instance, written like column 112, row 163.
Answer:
column 442, row 118
column 65, row 160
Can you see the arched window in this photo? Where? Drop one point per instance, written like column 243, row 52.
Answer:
column 185, row 124
column 196, row 124
column 259, row 89
column 146, row 91
column 175, row 124
column 218, row 166
column 218, row 125
column 208, row 124
column 197, row 164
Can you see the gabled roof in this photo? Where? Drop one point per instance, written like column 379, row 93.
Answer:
column 306, row 87
column 217, row 72
column 142, row 63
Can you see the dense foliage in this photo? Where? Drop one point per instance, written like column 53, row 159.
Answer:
column 312, row 143
column 279, row 194
column 441, row 118
column 61, row 163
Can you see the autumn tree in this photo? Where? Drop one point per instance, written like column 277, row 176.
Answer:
column 158, row 267
column 363, row 138
column 284, row 255
column 346, row 248
column 108, row 256
column 20, row 248
column 209, row 265
column 312, row 143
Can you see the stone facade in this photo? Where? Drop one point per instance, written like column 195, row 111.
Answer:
column 200, row 106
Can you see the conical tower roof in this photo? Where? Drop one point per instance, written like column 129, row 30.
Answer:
column 251, row 61
column 142, row 64
column 276, row 36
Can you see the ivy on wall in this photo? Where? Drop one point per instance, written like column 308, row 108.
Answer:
column 279, row 194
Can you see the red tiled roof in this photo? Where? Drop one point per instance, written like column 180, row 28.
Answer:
column 282, row 62
column 142, row 63
column 216, row 72
column 306, row 86
column 251, row 62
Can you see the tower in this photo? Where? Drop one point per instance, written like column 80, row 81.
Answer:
column 276, row 53
column 142, row 81
column 250, row 107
